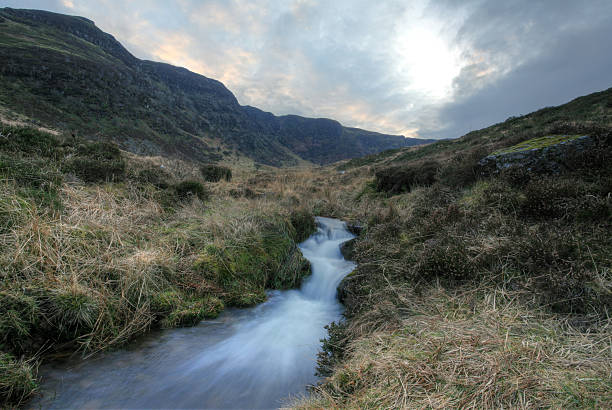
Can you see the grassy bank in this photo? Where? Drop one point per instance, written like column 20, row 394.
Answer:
column 98, row 247
column 474, row 291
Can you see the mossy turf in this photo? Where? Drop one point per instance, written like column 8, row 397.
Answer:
column 537, row 143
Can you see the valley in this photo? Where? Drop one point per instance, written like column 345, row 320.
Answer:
column 143, row 209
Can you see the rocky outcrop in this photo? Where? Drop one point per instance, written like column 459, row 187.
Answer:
column 85, row 81
column 545, row 154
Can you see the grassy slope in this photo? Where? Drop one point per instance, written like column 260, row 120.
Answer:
column 65, row 82
column 473, row 291
column 99, row 246
column 583, row 114
column 64, row 73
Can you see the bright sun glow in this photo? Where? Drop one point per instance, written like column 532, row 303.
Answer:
column 426, row 62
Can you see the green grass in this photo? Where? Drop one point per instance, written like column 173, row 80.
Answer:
column 17, row 380
column 537, row 143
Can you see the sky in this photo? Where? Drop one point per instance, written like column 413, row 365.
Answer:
column 419, row 68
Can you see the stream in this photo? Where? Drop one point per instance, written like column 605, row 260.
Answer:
column 246, row 358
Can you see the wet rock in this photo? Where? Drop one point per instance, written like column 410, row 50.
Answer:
column 545, row 154
column 355, row 228
column 348, row 249
column 345, row 293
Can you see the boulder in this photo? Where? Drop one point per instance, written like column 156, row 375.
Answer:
column 348, row 249
column 544, row 154
column 355, row 228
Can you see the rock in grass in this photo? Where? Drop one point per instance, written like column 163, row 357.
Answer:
column 542, row 155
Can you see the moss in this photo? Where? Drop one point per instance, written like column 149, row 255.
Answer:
column 536, row 143
column 244, row 268
column 17, row 380
column 192, row 312
column 165, row 302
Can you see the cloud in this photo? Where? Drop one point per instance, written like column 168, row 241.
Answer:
column 431, row 68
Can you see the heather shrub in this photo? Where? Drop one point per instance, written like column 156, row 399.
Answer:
column 398, row 179
column 154, row 176
column 214, row 173
column 188, row 189
column 97, row 162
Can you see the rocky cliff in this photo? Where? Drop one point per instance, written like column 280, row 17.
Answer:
column 67, row 74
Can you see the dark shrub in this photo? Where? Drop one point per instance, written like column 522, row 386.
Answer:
column 28, row 141
column 154, row 176
column 303, row 222
column 448, row 262
column 97, row 162
column 100, row 151
column 91, row 170
column 187, row 189
column 395, row 180
column 557, row 270
column 516, row 176
column 214, row 173
column 549, row 197
column 463, row 169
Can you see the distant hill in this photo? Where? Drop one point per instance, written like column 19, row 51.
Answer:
column 67, row 74
column 591, row 113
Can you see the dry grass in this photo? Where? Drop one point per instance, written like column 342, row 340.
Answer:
column 115, row 260
column 476, row 349
column 462, row 299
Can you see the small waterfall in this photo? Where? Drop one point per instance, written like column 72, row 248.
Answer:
column 248, row 358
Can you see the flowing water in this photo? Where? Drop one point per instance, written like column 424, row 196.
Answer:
column 247, row 358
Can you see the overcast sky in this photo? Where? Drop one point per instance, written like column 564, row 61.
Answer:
column 418, row 68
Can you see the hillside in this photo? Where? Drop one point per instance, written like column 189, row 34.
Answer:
column 478, row 289
column 65, row 73
column 592, row 112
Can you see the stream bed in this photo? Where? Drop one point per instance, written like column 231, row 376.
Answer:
column 246, row 358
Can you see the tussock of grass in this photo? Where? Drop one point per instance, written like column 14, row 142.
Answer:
column 17, row 380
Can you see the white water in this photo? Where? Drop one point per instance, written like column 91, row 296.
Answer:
column 249, row 358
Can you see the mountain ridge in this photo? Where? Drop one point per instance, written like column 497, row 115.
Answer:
column 66, row 72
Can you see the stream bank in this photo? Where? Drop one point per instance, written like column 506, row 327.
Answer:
column 253, row 358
